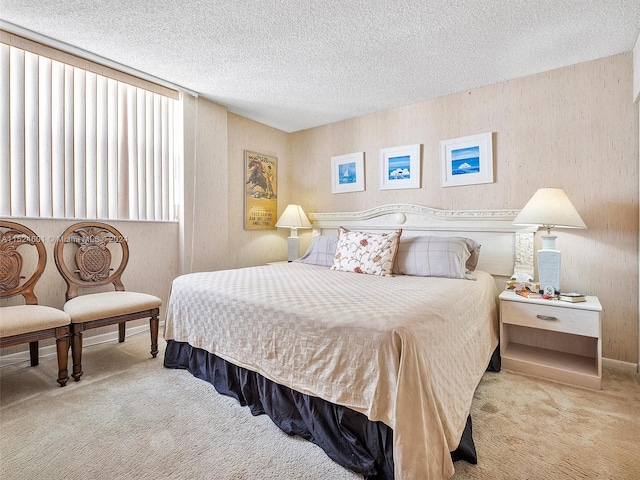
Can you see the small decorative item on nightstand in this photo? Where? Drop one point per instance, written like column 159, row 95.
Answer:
column 528, row 294
column 572, row 297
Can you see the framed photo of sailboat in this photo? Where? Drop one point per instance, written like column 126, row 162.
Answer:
column 347, row 173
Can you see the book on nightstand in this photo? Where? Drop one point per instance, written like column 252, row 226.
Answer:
column 528, row 294
column 572, row 297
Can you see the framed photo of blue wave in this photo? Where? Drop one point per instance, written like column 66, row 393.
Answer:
column 467, row 160
column 400, row 167
column 347, row 173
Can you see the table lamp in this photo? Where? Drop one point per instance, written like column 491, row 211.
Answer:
column 549, row 208
column 294, row 218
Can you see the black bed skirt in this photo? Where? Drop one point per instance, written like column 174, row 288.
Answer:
column 346, row 436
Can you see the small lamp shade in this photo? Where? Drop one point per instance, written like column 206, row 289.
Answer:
column 549, row 208
column 293, row 217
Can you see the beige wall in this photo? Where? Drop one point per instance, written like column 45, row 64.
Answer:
column 575, row 127
column 204, row 208
column 254, row 247
column 636, row 96
column 213, row 224
column 636, row 70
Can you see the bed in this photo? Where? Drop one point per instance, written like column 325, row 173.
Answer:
column 377, row 369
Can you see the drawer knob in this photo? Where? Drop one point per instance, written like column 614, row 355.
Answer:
column 547, row 317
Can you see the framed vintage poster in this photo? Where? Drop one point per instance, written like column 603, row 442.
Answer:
column 400, row 167
column 466, row 160
column 260, row 192
column 347, row 173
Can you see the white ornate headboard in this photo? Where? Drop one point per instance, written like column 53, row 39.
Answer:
column 505, row 248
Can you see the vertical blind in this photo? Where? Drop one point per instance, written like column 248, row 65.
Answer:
column 77, row 144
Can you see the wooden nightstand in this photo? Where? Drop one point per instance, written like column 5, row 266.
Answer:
column 552, row 339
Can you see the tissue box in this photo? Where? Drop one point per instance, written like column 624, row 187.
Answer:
column 511, row 285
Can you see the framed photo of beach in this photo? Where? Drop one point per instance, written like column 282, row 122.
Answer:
column 260, row 191
column 400, row 167
column 466, row 160
column 347, row 173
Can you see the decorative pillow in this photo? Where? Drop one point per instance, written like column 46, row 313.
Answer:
column 362, row 252
column 321, row 251
column 436, row 257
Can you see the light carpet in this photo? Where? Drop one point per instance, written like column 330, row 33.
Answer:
column 130, row 417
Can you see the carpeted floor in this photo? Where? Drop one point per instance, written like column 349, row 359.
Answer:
column 528, row 428
column 130, row 417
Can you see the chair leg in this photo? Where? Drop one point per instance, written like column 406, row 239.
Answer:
column 62, row 349
column 153, row 327
column 33, row 353
column 121, row 330
column 76, row 351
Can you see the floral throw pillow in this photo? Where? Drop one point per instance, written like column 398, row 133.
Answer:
column 370, row 253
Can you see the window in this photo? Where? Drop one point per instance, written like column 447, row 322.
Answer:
column 79, row 144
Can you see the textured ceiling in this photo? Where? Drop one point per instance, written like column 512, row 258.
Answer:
column 296, row 64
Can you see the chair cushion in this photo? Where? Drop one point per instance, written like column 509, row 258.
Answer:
column 21, row 319
column 94, row 306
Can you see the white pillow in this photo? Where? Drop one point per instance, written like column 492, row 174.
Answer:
column 432, row 256
column 321, row 251
column 474, row 250
column 362, row 252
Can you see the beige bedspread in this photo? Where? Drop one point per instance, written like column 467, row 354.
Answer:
column 407, row 351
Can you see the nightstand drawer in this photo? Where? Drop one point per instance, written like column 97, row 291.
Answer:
column 553, row 318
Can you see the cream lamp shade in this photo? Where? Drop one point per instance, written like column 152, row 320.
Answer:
column 294, row 218
column 549, row 208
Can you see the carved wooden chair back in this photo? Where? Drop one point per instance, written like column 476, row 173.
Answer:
column 93, row 258
column 31, row 322
column 14, row 235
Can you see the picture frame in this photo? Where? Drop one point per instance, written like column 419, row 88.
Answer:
column 347, row 173
column 260, row 191
column 466, row 160
column 400, row 167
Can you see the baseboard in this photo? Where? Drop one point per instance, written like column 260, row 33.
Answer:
column 113, row 337
column 619, row 365
column 87, row 341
